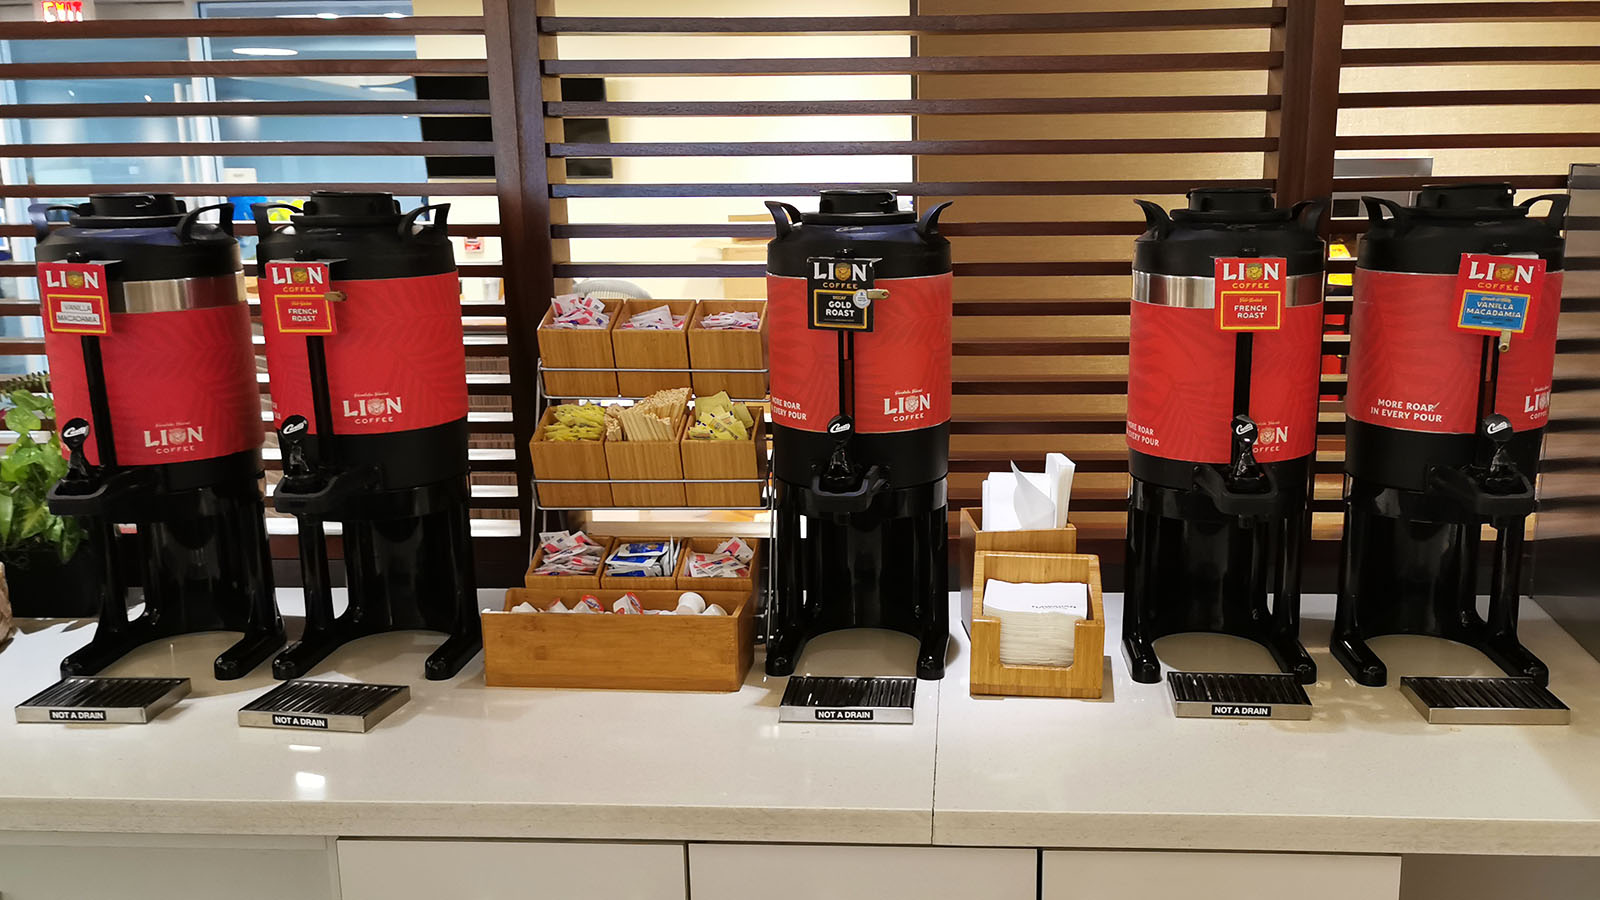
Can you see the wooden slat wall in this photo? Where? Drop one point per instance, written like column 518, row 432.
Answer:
column 496, row 461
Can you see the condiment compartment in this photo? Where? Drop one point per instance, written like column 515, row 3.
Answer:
column 619, row 652
column 569, row 460
column 579, row 348
column 647, row 460
column 974, row 539
column 702, row 585
column 637, row 583
column 726, row 459
column 729, row 349
column 650, row 349
column 562, row 582
column 1082, row 679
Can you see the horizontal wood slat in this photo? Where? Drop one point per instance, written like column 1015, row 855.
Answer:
column 248, row 108
column 968, row 486
column 953, row 65
column 921, row 189
column 1398, row 13
column 763, row 230
column 1413, row 183
column 1436, row 56
column 243, row 68
column 275, row 26
column 1018, row 23
column 927, row 148
column 466, row 270
column 296, row 188
column 1510, row 97
column 251, row 148
column 456, row 229
column 1468, row 141
column 913, row 107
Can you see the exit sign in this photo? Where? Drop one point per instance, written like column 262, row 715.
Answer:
column 64, row 10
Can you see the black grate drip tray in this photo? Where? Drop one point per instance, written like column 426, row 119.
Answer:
column 324, row 705
column 1226, row 695
column 93, row 698
column 855, row 699
column 1484, row 701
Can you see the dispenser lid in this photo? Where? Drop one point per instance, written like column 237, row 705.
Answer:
column 132, row 210
column 872, row 206
column 348, row 208
column 1478, row 200
column 1247, row 205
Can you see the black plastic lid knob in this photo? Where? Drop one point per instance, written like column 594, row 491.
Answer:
column 857, row 202
column 351, row 204
column 1485, row 196
column 132, row 206
column 1231, row 200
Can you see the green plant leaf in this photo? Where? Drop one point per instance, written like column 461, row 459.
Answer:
column 55, row 465
column 19, row 461
column 22, row 420
column 71, row 536
column 35, row 519
column 30, row 401
column 6, row 506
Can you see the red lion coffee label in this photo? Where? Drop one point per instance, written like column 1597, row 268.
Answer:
column 295, row 294
column 902, row 366
column 74, row 297
column 1250, row 293
column 1497, row 293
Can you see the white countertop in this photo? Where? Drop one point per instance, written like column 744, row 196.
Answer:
column 465, row 760
column 1365, row 775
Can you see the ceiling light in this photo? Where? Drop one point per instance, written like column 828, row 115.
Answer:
column 265, row 51
column 326, row 15
column 394, row 15
column 386, row 88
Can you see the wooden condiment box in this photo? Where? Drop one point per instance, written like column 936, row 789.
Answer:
column 973, row 539
column 717, row 348
column 1082, row 679
column 585, row 460
column 579, row 348
column 637, row 583
column 649, row 349
column 562, row 582
column 652, row 460
column 706, row 545
column 726, row 459
column 638, row 653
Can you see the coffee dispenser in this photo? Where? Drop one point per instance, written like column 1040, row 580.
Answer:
column 153, row 373
column 1223, row 361
column 858, row 297
column 1452, row 352
column 361, row 307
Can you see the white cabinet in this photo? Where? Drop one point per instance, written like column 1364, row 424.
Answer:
column 509, row 870
column 162, row 867
column 799, row 872
column 1096, row 875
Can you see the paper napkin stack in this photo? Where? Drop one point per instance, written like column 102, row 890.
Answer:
column 1037, row 621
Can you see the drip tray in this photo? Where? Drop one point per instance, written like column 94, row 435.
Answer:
column 324, row 705
column 90, row 698
column 814, row 698
column 1208, row 695
column 1484, row 701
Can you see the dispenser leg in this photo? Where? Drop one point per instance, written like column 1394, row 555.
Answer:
column 1501, row 643
column 114, row 635
column 321, row 632
column 251, row 651
column 263, row 630
column 1285, row 646
column 467, row 639
column 1136, row 648
column 1349, row 647
column 935, row 638
column 786, row 633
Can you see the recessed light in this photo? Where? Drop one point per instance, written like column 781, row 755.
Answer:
column 386, row 88
column 265, row 51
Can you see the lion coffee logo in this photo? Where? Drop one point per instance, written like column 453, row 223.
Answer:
column 175, row 439
column 838, row 291
column 1496, row 293
column 1250, row 293
column 372, row 410
column 74, row 297
column 299, row 294
column 908, row 407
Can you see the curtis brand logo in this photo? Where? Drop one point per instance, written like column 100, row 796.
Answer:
column 77, row 280
column 823, row 270
column 177, row 439
column 1256, row 271
column 77, row 431
column 1501, row 272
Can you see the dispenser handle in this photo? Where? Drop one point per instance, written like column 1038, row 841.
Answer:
column 929, row 226
column 39, row 213
column 1155, row 218
column 1308, row 214
column 440, row 221
column 261, row 213
column 1557, row 217
column 192, row 218
column 75, row 434
column 1375, row 207
column 784, row 216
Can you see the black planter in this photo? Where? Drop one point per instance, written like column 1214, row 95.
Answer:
column 43, row 587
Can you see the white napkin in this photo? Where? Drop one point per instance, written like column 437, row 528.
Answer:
column 1025, row 501
column 1038, row 622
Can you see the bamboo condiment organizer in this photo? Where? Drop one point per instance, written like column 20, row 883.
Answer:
column 651, row 349
column 569, row 460
column 710, row 459
column 579, row 348
column 647, row 461
column 637, row 653
column 563, row 582
column 1084, row 678
column 717, row 348
column 686, row 582
column 637, row 583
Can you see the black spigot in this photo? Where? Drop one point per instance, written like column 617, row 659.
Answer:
column 841, row 473
column 299, row 476
column 1502, row 475
column 82, row 477
column 1244, row 473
